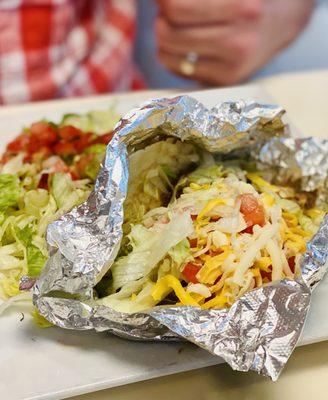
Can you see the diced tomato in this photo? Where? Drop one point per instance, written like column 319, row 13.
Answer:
column 265, row 274
column 291, row 263
column 27, row 158
column 193, row 242
column 213, row 253
column 43, row 134
column 6, row 157
column 60, row 166
column 43, row 182
column 81, row 164
column 33, row 146
column 252, row 210
column 69, row 133
column 249, row 229
column 190, row 271
column 73, row 174
column 19, row 144
column 193, row 217
column 215, row 218
column 46, row 152
column 84, row 141
column 104, row 139
column 64, row 149
column 55, row 164
column 42, row 154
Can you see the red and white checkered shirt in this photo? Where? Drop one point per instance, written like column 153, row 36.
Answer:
column 63, row 48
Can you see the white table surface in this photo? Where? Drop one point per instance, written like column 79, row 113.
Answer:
column 305, row 96
column 304, row 378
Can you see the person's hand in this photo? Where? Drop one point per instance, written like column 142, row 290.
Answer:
column 231, row 38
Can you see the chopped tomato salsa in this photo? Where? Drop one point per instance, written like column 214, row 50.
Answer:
column 252, row 210
column 43, row 140
column 190, row 271
column 291, row 263
column 193, row 242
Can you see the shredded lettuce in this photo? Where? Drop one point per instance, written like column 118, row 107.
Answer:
column 26, row 210
column 179, row 255
column 35, row 261
column 40, row 321
column 96, row 149
column 205, row 175
column 24, row 217
column 153, row 172
column 33, row 257
column 289, row 205
column 127, row 301
column 149, row 248
column 92, row 169
column 65, row 192
column 176, row 259
column 35, row 201
column 98, row 122
column 2, row 217
column 132, row 275
column 10, row 191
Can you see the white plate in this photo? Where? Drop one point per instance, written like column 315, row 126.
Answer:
column 54, row 363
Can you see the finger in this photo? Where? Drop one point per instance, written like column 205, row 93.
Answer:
column 195, row 12
column 213, row 71
column 230, row 42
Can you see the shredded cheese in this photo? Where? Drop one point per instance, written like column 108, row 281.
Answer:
column 247, row 284
column 163, row 286
column 195, row 186
column 260, row 182
column 219, row 301
column 209, row 206
column 219, row 239
column 315, row 213
column 275, row 255
column 295, row 241
column 200, row 289
column 300, row 232
column 264, row 263
column 247, row 259
column 211, row 270
column 267, row 199
column 290, row 219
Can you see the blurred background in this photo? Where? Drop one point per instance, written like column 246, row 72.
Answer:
column 308, row 51
column 61, row 48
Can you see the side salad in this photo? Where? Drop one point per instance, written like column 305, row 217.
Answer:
column 46, row 171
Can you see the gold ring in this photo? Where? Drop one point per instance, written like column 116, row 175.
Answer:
column 188, row 64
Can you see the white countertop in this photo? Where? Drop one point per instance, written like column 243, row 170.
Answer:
column 305, row 97
column 304, row 378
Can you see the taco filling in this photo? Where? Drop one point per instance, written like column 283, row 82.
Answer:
column 205, row 238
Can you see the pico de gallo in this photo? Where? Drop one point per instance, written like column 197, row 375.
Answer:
column 46, row 171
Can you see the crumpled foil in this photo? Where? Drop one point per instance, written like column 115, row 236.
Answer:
column 302, row 162
column 260, row 331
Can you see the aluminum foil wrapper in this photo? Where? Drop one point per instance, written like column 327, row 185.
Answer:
column 300, row 162
column 261, row 329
